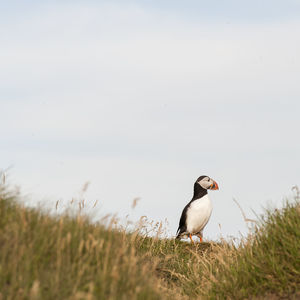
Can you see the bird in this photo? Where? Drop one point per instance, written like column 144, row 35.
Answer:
column 197, row 212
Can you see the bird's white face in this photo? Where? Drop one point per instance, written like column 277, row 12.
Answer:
column 208, row 183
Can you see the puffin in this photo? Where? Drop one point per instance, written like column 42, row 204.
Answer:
column 197, row 212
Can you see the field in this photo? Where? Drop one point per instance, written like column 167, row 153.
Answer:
column 69, row 257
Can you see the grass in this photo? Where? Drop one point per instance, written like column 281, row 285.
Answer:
column 69, row 257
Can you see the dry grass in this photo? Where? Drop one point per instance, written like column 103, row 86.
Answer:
column 46, row 257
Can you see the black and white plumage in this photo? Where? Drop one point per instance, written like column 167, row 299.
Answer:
column 197, row 212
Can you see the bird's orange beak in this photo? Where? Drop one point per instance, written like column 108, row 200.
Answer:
column 214, row 186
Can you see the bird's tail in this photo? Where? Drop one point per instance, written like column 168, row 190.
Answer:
column 178, row 234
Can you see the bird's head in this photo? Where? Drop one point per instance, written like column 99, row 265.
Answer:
column 207, row 183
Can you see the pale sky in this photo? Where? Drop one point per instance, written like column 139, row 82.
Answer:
column 142, row 97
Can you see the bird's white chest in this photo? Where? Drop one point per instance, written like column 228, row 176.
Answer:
column 198, row 214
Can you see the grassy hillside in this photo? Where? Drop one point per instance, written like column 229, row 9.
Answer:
column 46, row 257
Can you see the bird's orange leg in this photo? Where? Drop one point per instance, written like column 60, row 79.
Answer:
column 200, row 237
column 191, row 239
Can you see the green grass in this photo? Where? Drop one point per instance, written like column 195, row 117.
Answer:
column 48, row 257
column 268, row 262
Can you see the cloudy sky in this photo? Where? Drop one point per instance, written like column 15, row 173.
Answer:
column 139, row 98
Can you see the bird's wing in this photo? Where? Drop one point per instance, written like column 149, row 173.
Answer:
column 182, row 222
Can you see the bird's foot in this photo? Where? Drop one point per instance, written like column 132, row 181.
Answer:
column 191, row 239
